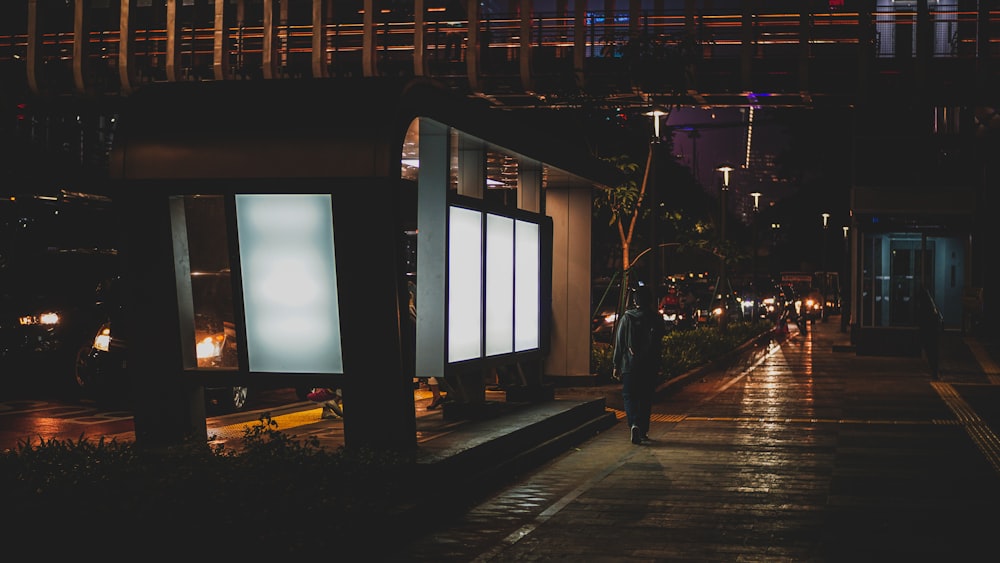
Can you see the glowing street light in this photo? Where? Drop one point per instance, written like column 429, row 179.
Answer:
column 754, row 227
column 656, row 114
column 845, row 295
column 725, row 169
column 723, row 276
column 826, row 225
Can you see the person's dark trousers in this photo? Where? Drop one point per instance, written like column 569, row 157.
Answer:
column 637, row 393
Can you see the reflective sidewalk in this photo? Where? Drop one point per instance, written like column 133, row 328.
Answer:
column 798, row 452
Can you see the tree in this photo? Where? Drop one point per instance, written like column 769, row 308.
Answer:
column 625, row 203
column 677, row 202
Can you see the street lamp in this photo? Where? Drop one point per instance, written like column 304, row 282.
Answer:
column 823, row 281
column 649, row 180
column 826, row 225
column 656, row 114
column 845, row 303
column 723, row 276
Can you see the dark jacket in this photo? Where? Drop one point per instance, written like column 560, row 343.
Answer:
column 639, row 341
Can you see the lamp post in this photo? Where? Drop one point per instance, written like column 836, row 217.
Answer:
column 822, row 281
column 753, row 266
column 723, row 276
column 651, row 196
column 845, row 296
column 826, row 225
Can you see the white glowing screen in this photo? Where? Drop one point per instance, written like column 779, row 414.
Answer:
column 289, row 282
column 465, row 283
column 526, row 291
column 499, row 285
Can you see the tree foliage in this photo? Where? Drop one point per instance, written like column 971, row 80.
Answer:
column 624, row 204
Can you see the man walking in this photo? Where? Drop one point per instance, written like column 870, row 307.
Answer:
column 637, row 358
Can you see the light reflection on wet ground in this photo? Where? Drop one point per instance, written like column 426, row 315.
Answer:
column 813, row 454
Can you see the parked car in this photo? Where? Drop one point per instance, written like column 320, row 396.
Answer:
column 101, row 363
column 52, row 252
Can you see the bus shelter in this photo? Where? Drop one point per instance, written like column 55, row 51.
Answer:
column 320, row 203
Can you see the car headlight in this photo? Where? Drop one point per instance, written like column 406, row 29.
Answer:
column 46, row 318
column 102, row 341
column 209, row 349
column 610, row 318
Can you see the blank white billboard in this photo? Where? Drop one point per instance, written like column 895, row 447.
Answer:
column 499, row 285
column 465, row 284
column 289, row 282
column 526, row 291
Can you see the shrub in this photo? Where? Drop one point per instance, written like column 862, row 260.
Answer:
column 601, row 359
column 684, row 350
column 278, row 495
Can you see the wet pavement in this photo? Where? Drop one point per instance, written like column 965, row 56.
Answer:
column 801, row 451
column 789, row 451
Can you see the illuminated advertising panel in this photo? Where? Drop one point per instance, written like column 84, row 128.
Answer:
column 499, row 285
column 526, row 289
column 493, row 285
column 465, row 284
column 289, row 283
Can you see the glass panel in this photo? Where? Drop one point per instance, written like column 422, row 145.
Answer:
column 872, row 261
column 465, row 283
column 410, row 163
column 453, row 160
column 499, row 284
column 501, row 180
column 902, row 299
column 204, row 285
column 526, row 291
column 289, row 282
column 893, row 269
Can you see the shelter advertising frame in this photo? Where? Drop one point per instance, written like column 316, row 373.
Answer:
column 494, row 285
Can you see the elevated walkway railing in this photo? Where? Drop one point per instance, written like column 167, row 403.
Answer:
column 113, row 48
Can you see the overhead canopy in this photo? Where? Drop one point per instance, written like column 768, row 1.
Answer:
column 318, row 128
